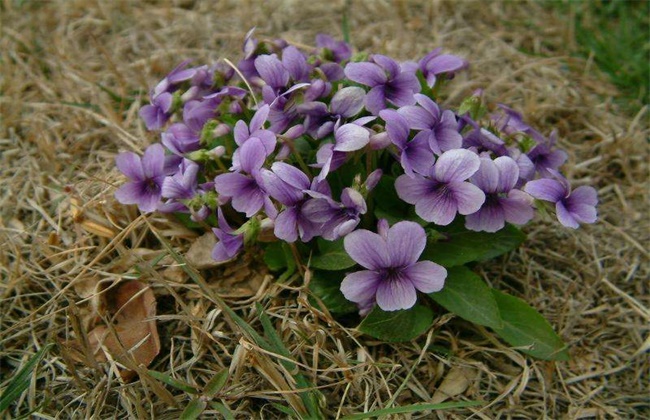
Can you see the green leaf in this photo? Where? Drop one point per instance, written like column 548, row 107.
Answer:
column 414, row 408
column 397, row 326
column 326, row 285
column 22, row 379
column 331, row 256
column 467, row 295
column 526, row 328
column 215, row 384
column 223, row 410
column 460, row 246
column 194, row 409
column 274, row 256
column 173, row 382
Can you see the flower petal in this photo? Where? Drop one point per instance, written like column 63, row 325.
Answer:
column 368, row 249
column 286, row 225
column 413, row 190
column 456, row 165
column 508, row 173
column 565, row 217
column 426, row 276
column 376, row 100
column 130, row 165
column 272, row 71
column 406, row 241
column 418, row 118
column 351, row 137
column 251, row 155
column 348, row 101
column 368, row 74
column 360, row 286
column 546, row 189
column 490, row 218
column 153, row 161
column 468, row 197
column 397, row 126
column 517, row 207
column 396, row 294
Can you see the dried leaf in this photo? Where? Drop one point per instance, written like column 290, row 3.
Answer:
column 133, row 338
column 200, row 253
column 455, row 383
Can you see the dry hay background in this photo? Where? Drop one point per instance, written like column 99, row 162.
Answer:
column 59, row 134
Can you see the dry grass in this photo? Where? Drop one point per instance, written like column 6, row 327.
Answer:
column 62, row 232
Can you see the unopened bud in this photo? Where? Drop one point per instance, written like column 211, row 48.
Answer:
column 221, row 130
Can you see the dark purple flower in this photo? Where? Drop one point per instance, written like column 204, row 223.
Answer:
column 546, row 157
column 438, row 128
column 336, row 50
column 482, row 140
column 182, row 185
column 272, row 71
column 393, row 274
column 336, row 219
column 320, row 119
column 247, row 191
column 434, row 64
column 387, row 82
column 180, row 139
column 230, row 243
column 444, row 193
column 289, row 185
column 255, row 129
column 296, row 64
column 415, row 155
column 158, row 113
column 571, row 208
column 196, row 113
column 503, row 203
column 146, row 177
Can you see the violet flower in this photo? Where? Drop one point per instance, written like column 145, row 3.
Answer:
column 336, row 50
column 439, row 128
column 182, row 185
column 348, row 138
column 255, row 129
column 180, row 139
column 158, row 112
column 336, row 219
column 288, row 185
column 415, row 155
column 146, row 175
column 444, row 192
column 393, row 274
column 387, row 82
column 229, row 243
column 247, row 191
column 320, row 120
column 571, row 208
column 435, row 64
column 546, row 157
column 503, row 203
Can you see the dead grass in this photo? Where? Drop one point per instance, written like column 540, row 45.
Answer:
column 63, row 234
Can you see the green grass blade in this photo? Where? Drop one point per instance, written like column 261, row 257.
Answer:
column 21, row 381
column 412, row 409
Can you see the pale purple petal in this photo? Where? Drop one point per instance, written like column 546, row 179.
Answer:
column 426, row 276
column 396, row 126
column 376, row 100
column 437, row 207
column 546, row 189
column 418, row 118
column 396, row 294
column 272, row 71
column 419, row 154
column 469, row 198
column 348, row 101
column 153, row 161
column 487, row 176
column 351, row 137
column 291, row 175
column 517, row 207
column 130, row 165
column 406, row 241
column 456, row 165
column 258, row 120
column 354, row 200
column 427, row 103
column 231, row 184
column 445, row 63
column 249, row 200
column 368, row 249
column 241, row 132
column 368, row 74
column 360, row 286
column 565, row 216
column 129, row 193
column 294, row 61
column 252, row 155
column 387, row 64
column 584, row 195
column 412, row 190
column 280, row 190
column 508, row 173
column 401, row 89
column 490, row 218
column 286, row 225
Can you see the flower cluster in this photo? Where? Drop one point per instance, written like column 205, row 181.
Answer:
column 299, row 140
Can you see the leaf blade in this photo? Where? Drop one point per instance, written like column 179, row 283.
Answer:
column 397, row 326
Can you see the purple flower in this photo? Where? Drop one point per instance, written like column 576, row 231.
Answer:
column 546, row 157
column 272, row 71
column 182, row 185
column 255, row 129
column 296, row 64
column 158, row 113
column 180, row 139
column 571, row 208
column 435, row 64
column 415, row 155
column 503, row 203
column 439, row 129
column 337, row 50
column 387, row 82
column 247, row 191
column 345, row 103
column 348, row 138
column 146, row 177
column 288, row 185
column 393, row 274
column 336, row 219
column 444, row 193
column 229, row 243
